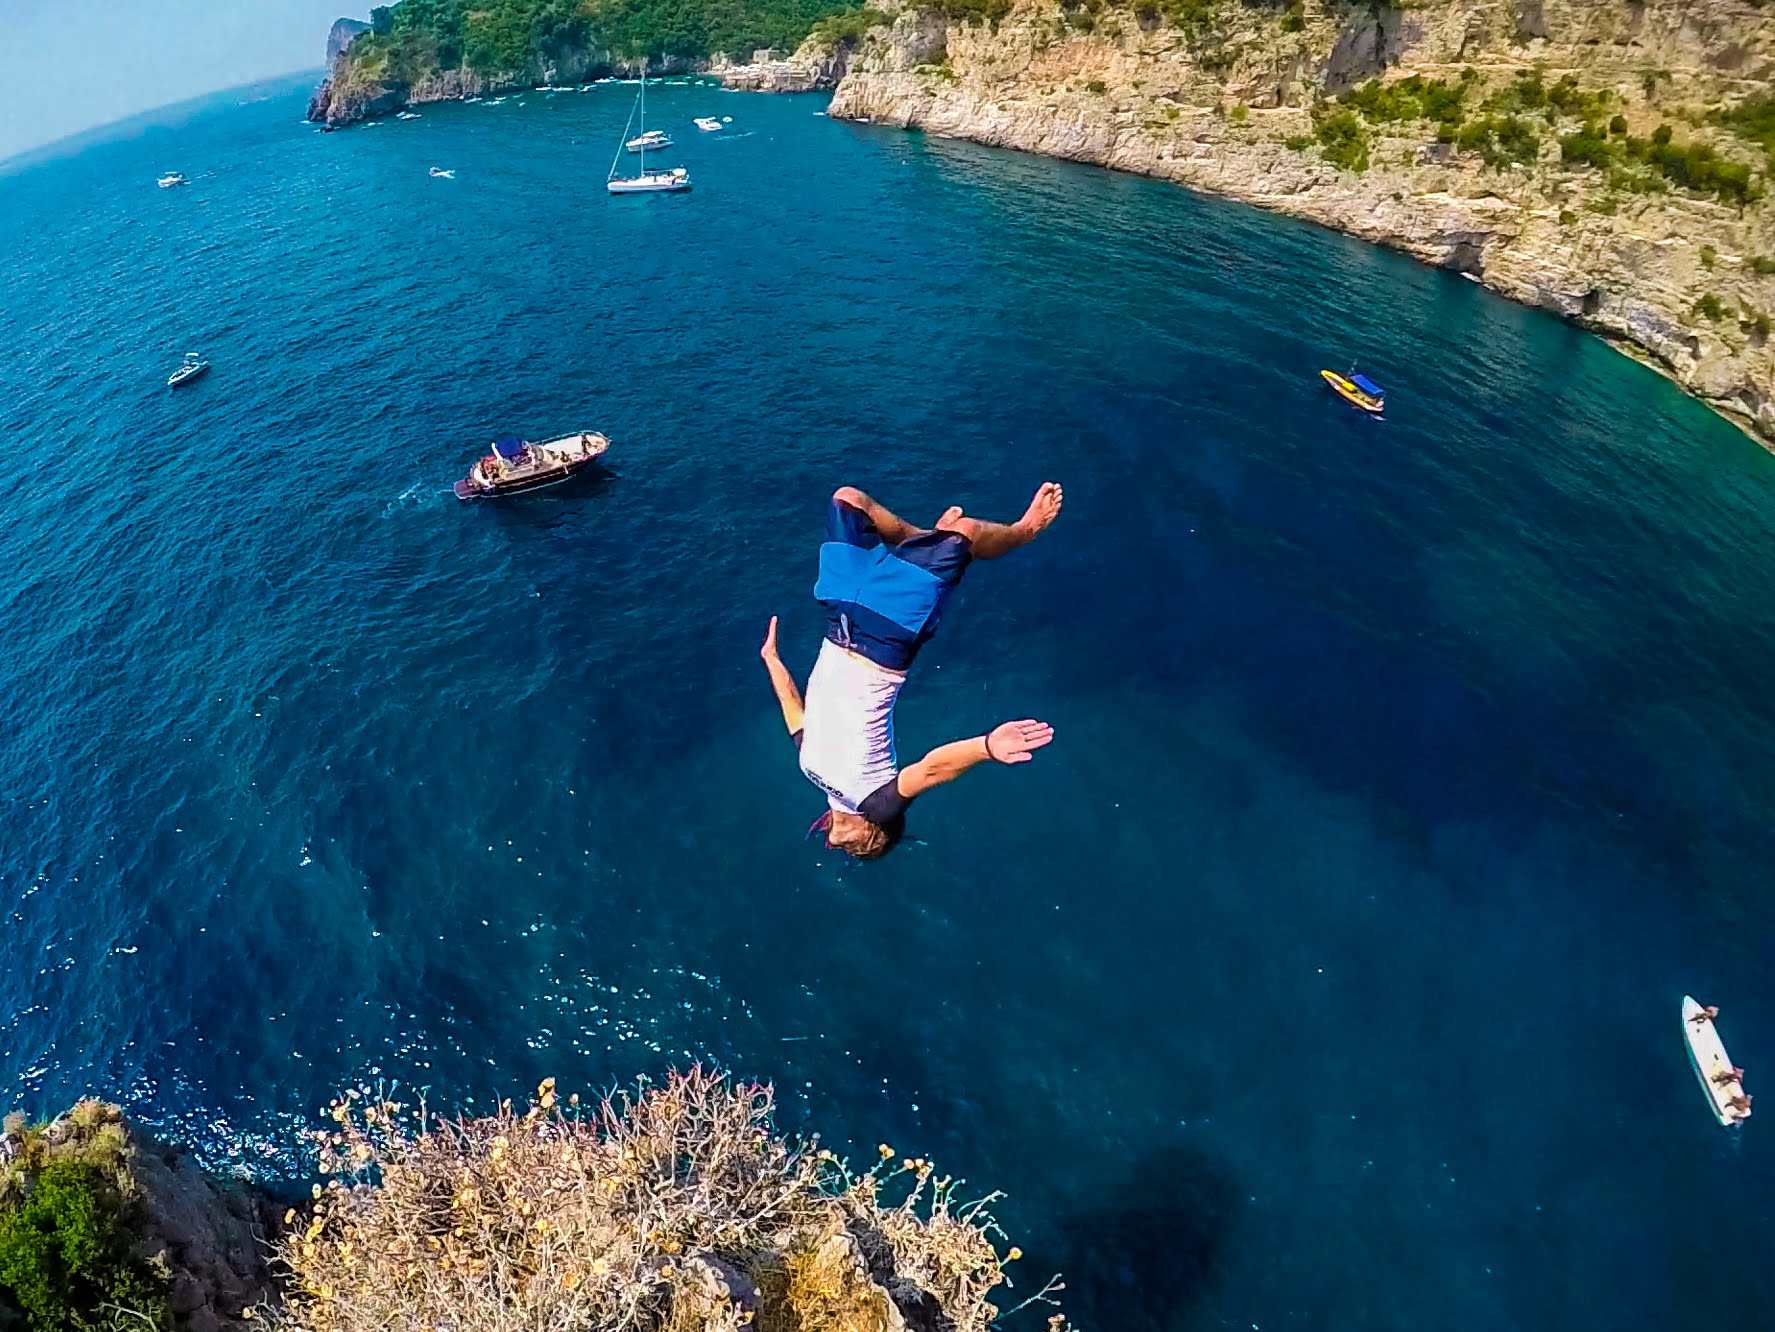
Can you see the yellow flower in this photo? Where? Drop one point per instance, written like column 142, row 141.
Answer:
column 290, row 1216
column 885, row 1151
column 1014, row 1254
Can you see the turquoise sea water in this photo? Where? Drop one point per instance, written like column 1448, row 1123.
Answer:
column 1323, row 974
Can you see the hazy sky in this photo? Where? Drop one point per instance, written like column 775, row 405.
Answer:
column 68, row 65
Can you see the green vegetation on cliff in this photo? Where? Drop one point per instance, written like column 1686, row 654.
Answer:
column 504, row 37
column 1504, row 133
column 66, row 1224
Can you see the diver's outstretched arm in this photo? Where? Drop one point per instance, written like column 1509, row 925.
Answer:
column 1008, row 742
column 788, row 694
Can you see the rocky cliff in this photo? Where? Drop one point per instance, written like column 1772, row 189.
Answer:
column 361, row 89
column 205, row 1243
column 1576, row 155
column 343, row 34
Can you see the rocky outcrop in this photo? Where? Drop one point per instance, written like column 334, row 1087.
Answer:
column 816, row 64
column 345, row 32
column 208, row 1239
column 1681, row 279
column 358, row 89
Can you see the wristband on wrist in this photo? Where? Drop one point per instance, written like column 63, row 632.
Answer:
column 987, row 741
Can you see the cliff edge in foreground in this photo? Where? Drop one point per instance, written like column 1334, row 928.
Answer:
column 672, row 1207
column 1610, row 162
column 104, row 1227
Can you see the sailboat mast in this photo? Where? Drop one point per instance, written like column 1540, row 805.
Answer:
column 643, row 170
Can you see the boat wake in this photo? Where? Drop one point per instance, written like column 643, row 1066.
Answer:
column 416, row 494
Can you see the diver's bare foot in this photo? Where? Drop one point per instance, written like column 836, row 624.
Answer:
column 1043, row 509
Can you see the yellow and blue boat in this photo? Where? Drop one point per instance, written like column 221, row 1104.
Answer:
column 1358, row 390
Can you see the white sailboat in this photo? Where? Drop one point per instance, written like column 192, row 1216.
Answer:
column 643, row 181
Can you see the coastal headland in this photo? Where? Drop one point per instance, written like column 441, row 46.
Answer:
column 1607, row 163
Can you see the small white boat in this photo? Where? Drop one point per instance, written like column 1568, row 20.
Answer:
column 727, row 120
column 194, row 365
column 1719, row 1077
column 438, row 173
column 171, row 179
column 654, row 139
column 707, row 124
column 407, row 115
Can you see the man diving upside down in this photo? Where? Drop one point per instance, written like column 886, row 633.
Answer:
column 883, row 583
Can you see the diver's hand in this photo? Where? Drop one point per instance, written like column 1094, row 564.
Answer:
column 1017, row 741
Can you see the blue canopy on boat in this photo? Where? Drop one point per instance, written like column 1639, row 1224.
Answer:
column 1368, row 386
column 509, row 447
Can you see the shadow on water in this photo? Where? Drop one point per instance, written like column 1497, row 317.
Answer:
column 1146, row 1258
column 547, row 508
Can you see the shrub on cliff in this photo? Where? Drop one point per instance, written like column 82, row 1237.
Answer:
column 668, row 1209
column 1501, row 140
column 1342, row 140
column 848, row 25
column 65, row 1261
column 1414, row 98
column 1753, row 119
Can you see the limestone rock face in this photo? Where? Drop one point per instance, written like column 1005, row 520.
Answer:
column 353, row 91
column 339, row 40
column 815, row 64
column 1228, row 109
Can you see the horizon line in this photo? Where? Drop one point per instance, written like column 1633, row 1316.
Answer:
column 96, row 133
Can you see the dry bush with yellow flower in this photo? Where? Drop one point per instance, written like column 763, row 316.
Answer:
column 668, row 1208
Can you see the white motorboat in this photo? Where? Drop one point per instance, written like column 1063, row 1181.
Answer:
column 707, row 124
column 1720, row 1079
column 438, row 173
column 171, row 179
column 194, row 365
column 657, row 181
column 407, row 115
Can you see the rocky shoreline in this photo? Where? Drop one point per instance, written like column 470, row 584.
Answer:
column 1681, row 281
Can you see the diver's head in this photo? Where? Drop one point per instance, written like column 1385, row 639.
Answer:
column 856, row 836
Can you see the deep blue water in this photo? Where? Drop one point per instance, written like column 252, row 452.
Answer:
column 1323, row 974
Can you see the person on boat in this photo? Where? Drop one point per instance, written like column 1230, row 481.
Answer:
column 1739, row 1105
column 1727, row 1076
column 1705, row 1016
column 884, row 583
